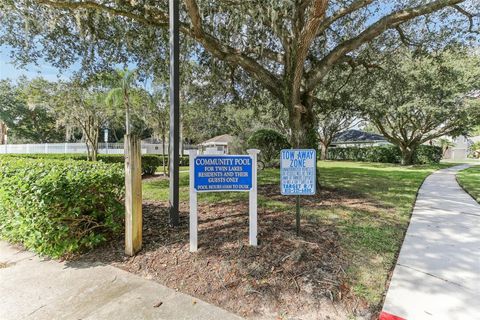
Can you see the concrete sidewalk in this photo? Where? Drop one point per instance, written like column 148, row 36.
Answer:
column 437, row 275
column 32, row 288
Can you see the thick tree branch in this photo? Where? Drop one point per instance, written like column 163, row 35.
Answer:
column 376, row 29
column 308, row 33
column 229, row 54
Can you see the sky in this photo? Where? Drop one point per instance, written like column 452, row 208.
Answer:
column 8, row 70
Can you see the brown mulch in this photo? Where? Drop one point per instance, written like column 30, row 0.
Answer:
column 285, row 276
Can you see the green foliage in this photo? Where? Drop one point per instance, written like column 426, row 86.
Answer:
column 59, row 207
column 475, row 150
column 417, row 97
column 386, row 154
column 427, row 155
column 150, row 162
column 27, row 114
column 269, row 142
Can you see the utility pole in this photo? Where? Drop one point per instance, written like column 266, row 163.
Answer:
column 174, row 111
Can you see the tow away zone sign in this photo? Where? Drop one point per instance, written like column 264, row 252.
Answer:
column 297, row 172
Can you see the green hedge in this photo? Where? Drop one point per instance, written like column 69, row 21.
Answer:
column 428, row 154
column 150, row 162
column 386, row 154
column 59, row 207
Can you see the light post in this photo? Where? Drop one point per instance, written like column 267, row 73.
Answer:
column 174, row 148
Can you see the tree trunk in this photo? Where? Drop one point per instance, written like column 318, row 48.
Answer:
column 94, row 154
column 88, row 149
column 303, row 124
column 323, row 150
column 3, row 133
column 407, row 155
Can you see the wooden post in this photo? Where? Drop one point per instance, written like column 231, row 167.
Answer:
column 133, row 195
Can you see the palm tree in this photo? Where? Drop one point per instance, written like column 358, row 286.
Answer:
column 121, row 82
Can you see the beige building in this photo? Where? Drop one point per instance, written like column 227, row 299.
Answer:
column 461, row 149
column 216, row 145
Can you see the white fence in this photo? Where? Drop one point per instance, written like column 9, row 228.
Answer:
column 104, row 148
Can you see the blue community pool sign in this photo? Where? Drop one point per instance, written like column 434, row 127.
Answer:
column 223, row 173
column 215, row 173
column 297, row 171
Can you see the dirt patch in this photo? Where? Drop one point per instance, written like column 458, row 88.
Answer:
column 4, row 265
column 284, row 277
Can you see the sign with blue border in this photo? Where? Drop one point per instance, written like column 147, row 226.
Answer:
column 222, row 173
column 297, row 171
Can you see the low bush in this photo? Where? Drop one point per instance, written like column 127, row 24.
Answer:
column 428, row 154
column 59, row 207
column 386, row 154
column 270, row 143
column 150, row 162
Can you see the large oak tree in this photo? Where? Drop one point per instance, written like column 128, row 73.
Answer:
column 418, row 97
column 288, row 47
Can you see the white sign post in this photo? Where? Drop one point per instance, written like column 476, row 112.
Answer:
column 252, row 199
column 214, row 173
column 298, row 175
column 193, row 220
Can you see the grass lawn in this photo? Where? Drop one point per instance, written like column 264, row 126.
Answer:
column 368, row 204
column 469, row 179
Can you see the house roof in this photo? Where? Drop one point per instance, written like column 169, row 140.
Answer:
column 222, row 139
column 357, row 136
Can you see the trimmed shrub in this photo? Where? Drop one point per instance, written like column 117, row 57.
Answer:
column 150, row 162
column 386, row 154
column 428, row 154
column 270, row 143
column 59, row 207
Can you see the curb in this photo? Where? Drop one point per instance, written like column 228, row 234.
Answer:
column 387, row 316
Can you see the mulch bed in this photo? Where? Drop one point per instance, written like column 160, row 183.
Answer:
column 284, row 277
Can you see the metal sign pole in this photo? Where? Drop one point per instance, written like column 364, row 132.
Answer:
column 298, row 214
column 174, row 111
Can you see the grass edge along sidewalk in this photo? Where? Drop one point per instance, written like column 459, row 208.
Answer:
column 469, row 180
column 370, row 209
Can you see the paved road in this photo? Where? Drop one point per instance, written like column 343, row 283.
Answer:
column 437, row 275
column 32, row 288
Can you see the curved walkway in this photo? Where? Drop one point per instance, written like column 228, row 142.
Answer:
column 437, row 275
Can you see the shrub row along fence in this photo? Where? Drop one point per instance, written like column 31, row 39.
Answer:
column 58, row 207
column 103, row 148
column 386, row 154
column 150, row 162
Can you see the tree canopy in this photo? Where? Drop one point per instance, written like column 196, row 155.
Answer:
column 287, row 47
column 418, row 97
column 26, row 111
